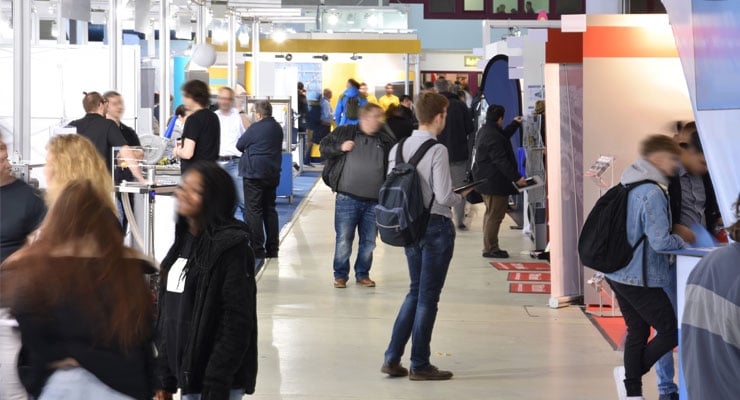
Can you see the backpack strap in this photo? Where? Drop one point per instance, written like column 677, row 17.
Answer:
column 422, row 151
column 399, row 151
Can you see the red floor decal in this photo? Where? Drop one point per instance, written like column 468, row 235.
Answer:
column 521, row 266
column 529, row 277
column 535, row 288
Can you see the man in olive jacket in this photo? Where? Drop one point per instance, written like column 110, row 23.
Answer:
column 495, row 162
column 357, row 160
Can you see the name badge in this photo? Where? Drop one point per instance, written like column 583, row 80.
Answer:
column 175, row 278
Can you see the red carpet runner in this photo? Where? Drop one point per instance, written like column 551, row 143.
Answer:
column 530, row 277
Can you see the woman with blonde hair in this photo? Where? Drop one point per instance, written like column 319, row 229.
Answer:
column 83, row 307
column 71, row 157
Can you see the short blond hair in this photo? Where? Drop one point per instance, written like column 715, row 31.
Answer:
column 73, row 157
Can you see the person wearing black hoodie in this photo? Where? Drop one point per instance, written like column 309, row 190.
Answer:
column 207, row 324
column 495, row 162
column 458, row 128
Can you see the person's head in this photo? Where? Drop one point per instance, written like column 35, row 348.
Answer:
column 115, row 108
column 406, row 101
column 156, row 98
column 363, row 88
column 427, row 86
column 529, row 6
column 442, row 85
column 94, row 103
column 6, row 172
column 662, row 152
column 734, row 230
column 73, row 157
column 495, row 115
column 371, row 118
column 225, row 99
column 301, row 87
column 328, row 94
column 110, row 291
column 683, row 134
column 431, row 110
column 206, row 196
column 262, row 109
column 388, row 89
column 392, row 111
column 181, row 112
column 692, row 156
column 195, row 95
column 353, row 83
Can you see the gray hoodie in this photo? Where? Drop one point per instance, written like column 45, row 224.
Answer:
column 642, row 170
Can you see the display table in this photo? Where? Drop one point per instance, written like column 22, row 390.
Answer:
column 686, row 261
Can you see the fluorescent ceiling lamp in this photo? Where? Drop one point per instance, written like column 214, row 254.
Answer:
column 272, row 12
column 279, row 36
column 243, row 36
column 333, row 19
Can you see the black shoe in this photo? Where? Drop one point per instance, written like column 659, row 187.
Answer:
column 272, row 255
column 670, row 396
column 430, row 373
column 462, row 227
column 394, row 370
column 496, row 254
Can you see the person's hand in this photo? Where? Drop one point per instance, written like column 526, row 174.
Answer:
column 162, row 395
column 348, row 146
column 466, row 192
column 175, row 152
column 518, row 119
column 686, row 234
column 522, row 182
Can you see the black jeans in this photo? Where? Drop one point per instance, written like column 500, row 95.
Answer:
column 262, row 217
column 643, row 308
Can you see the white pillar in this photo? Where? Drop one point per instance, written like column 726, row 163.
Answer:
column 406, row 71
column 418, row 80
column 22, row 77
column 115, row 39
column 231, row 64
column 201, row 30
column 164, row 64
column 255, row 58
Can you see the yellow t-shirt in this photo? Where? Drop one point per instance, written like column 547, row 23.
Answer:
column 372, row 99
column 386, row 101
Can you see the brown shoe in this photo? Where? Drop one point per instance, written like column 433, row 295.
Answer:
column 366, row 282
column 430, row 373
column 340, row 283
column 394, row 370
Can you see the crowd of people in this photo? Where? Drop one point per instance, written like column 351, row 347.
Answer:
column 200, row 335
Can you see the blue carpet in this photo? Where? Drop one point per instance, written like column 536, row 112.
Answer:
column 302, row 184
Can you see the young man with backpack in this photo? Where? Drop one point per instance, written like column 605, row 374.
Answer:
column 429, row 258
column 357, row 156
column 639, row 275
column 349, row 104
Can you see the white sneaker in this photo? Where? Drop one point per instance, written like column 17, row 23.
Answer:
column 635, row 398
column 619, row 380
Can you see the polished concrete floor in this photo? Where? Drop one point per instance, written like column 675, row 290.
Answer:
column 317, row 342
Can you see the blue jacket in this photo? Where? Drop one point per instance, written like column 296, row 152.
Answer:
column 339, row 115
column 648, row 213
column 261, row 146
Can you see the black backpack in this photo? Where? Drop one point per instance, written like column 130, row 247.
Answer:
column 401, row 214
column 603, row 244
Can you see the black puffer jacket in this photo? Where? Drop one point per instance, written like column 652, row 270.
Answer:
column 331, row 149
column 458, row 128
column 221, row 351
column 495, row 160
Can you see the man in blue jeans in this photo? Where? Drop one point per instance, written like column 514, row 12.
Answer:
column 429, row 259
column 357, row 159
column 233, row 124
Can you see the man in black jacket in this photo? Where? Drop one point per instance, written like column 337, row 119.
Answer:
column 458, row 128
column 495, row 162
column 357, row 160
column 102, row 132
column 261, row 146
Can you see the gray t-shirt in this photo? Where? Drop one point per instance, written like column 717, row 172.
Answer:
column 364, row 172
column 693, row 199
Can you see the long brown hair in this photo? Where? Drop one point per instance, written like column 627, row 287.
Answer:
column 104, row 285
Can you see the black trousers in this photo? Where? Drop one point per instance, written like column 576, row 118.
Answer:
column 261, row 215
column 642, row 309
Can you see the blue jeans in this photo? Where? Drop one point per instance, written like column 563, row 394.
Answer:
column 233, row 395
column 77, row 383
column 428, row 264
column 665, row 368
column 352, row 215
column 232, row 167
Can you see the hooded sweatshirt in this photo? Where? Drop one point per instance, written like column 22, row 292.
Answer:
column 648, row 213
column 340, row 114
